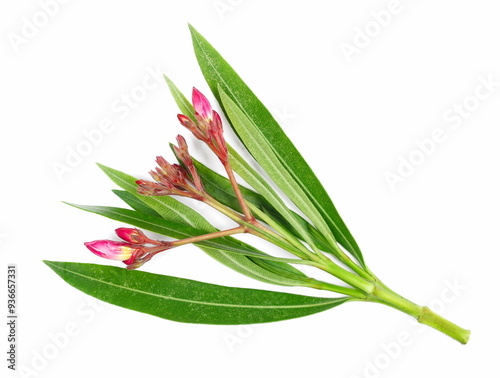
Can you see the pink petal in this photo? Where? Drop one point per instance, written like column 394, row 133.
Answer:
column 110, row 249
column 201, row 105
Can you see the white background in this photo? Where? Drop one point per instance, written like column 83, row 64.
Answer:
column 353, row 118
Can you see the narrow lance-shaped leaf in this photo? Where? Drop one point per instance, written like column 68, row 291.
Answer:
column 297, row 223
column 182, row 102
column 218, row 72
column 134, row 203
column 184, row 300
column 266, row 157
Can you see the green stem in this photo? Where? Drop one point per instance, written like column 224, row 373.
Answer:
column 348, row 277
column 430, row 318
column 321, row 285
column 281, row 230
column 424, row 315
column 254, row 227
column 344, row 258
column 319, row 261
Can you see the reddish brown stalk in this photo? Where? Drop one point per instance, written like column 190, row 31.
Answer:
column 246, row 211
column 213, row 235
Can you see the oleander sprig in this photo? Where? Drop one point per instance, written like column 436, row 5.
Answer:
column 314, row 236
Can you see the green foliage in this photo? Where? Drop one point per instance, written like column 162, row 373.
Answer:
column 184, row 300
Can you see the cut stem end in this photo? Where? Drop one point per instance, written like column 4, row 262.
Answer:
column 430, row 318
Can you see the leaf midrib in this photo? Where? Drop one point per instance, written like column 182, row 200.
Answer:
column 194, row 301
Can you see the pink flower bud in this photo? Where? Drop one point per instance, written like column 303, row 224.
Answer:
column 192, row 126
column 201, row 105
column 186, row 121
column 131, row 235
column 111, row 249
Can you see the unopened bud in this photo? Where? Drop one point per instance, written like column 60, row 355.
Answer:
column 201, row 105
column 112, row 250
column 132, row 235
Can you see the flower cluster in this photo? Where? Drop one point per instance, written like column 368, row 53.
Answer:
column 174, row 179
column 182, row 180
column 132, row 251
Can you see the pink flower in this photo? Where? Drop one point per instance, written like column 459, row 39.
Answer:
column 133, row 251
column 201, row 105
column 208, row 119
column 112, row 250
column 131, row 235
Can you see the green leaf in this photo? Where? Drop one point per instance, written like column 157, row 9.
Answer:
column 266, row 157
column 145, row 221
column 217, row 73
column 184, row 300
column 297, row 223
column 182, row 102
column 134, row 203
